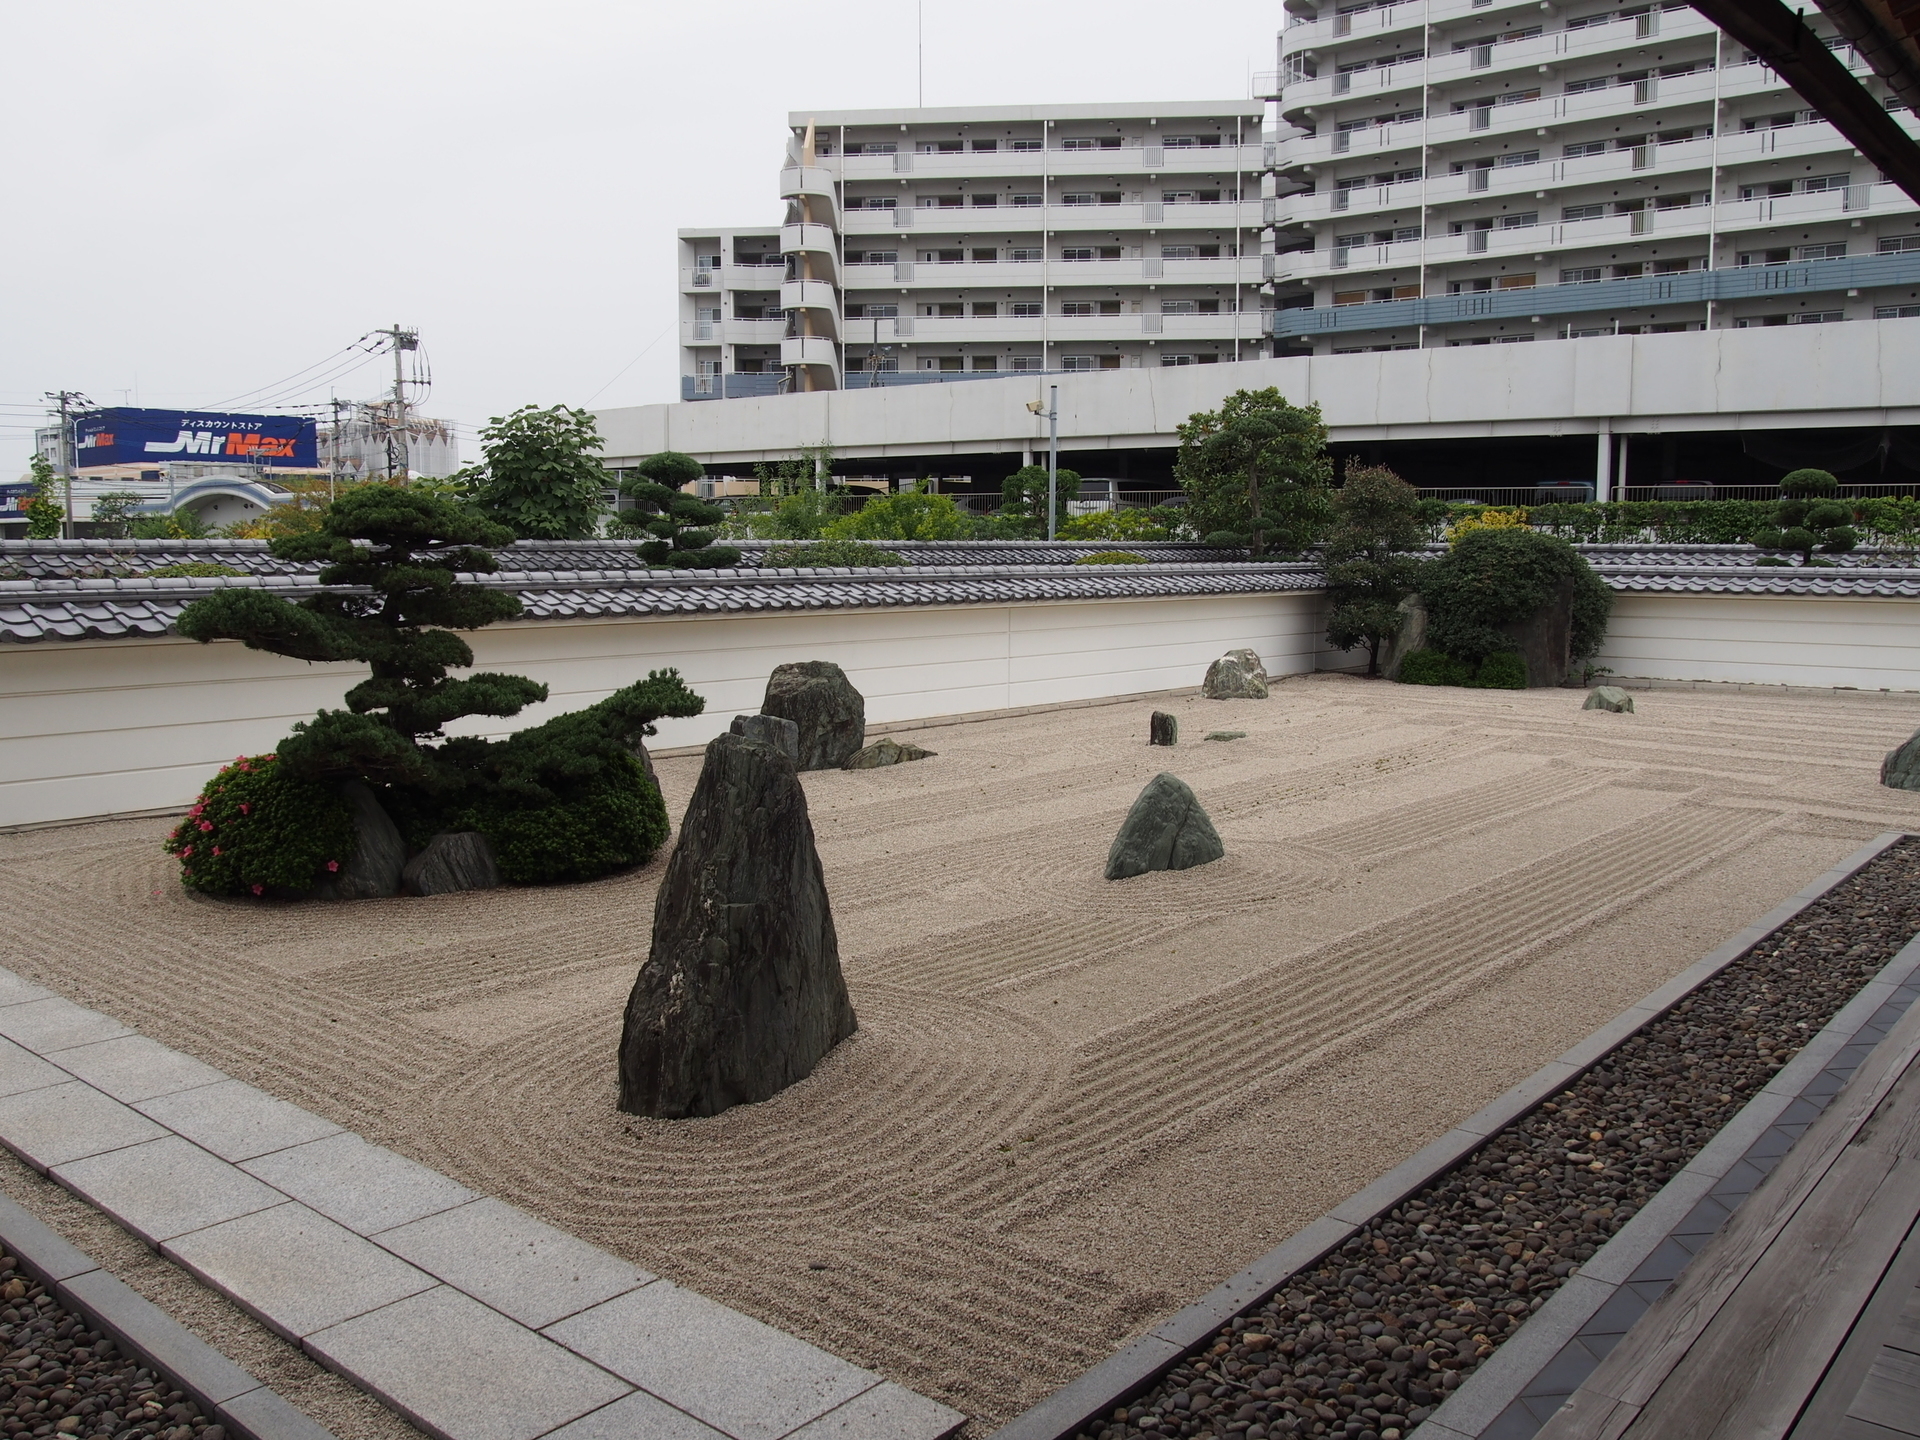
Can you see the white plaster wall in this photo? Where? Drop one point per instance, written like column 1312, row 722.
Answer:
column 104, row 727
column 1864, row 644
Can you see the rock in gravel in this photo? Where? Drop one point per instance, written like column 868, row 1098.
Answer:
column 1609, row 697
column 782, row 734
column 1163, row 729
column 1232, row 678
column 1167, row 829
column 1901, row 769
column 1226, row 735
column 639, row 750
column 379, row 854
column 817, row 696
column 741, row 994
column 453, row 860
column 886, row 751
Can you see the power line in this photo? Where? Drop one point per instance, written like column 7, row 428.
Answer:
column 248, row 395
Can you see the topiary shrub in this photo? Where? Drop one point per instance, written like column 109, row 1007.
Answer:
column 1808, row 518
column 603, row 822
column 1434, row 667
column 1502, row 670
column 1497, row 577
column 681, row 525
column 257, row 828
column 1111, row 557
column 831, row 554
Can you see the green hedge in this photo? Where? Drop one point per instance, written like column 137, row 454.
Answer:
column 1893, row 520
column 1501, row 671
column 611, row 819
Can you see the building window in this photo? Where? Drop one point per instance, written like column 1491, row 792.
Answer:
column 986, row 145
column 986, row 362
column 1583, row 148
column 1757, row 322
column 1076, row 252
column 1024, row 254
column 1024, row 362
column 1815, row 183
column 1076, row 307
column 871, row 147
column 1679, row 267
column 1024, row 309
column 1816, row 317
column 886, row 311
column 982, row 201
column 1096, row 142
column 1179, row 307
column 1762, row 257
column 942, row 257
column 1834, row 251
column 942, row 202
column 1766, row 191
column 873, row 257
column 986, row 257
column 1076, row 362
column 1084, row 197
column 1520, row 222
column 1516, row 282
column 1190, row 197
column 945, row 309
column 985, row 309
column 1896, row 312
column 1026, row 200
column 1583, row 212
column 1511, row 339
column 1172, row 360
column 1588, row 332
column 1186, row 142
column 1898, row 244
column 1025, row 145
column 1524, row 157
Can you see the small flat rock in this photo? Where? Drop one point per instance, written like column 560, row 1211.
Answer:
column 1167, row 829
column 1609, row 697
column 886, row 751
column 1901, row 769
column 1226, row 735
column 452, row 862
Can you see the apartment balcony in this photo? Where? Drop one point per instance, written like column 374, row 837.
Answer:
column 986, row 220
column 1410, row 16
column 735, row 331
column 817, row 295
column 1852, row 202
column 1563, row 47
column 814, row 350
column 1053, row 329
column 1131, row 157
column 765, row 278
column 1308, row 151
column 1009, row 274
column 1298, row 96
column 816, row 250
column 1694, row 287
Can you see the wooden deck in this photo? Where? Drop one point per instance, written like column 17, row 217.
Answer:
column 1801, row 1319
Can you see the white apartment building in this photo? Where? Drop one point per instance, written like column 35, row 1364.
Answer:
column 934, row 244
column 1466, row 172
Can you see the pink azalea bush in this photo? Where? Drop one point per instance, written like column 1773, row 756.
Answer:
column 256, row 830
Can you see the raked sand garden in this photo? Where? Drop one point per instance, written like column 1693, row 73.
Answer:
column 1072, row 1105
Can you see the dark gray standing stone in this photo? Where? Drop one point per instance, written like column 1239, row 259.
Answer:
column 1901, row 769
column 817, row 696
column 639, row 749
column 453, row 860
column 1412, row 635
column 1231, row 678
column 1165, row 830
column 1163, row 729
column 379, row 854
column 887, row 751
column 1609, row 697
column 1546, row 638
column 741, row 994
column 782, row 735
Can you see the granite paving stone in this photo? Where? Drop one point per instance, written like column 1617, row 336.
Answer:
column 66, row 1122
column 16, row 991
column 166, row 1188
column 135, row 1068
column 298, row 1272
column 638, row 1417
column 365, row 1187
column 463, row 1372
column 236, row 1121
column 53, row 1024
column 520, row 1266
column 22, row 1070
column 886, row 1412
column 748, row 1379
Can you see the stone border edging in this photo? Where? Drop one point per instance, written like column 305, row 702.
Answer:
column 223, row 1390
column 1146, row 1358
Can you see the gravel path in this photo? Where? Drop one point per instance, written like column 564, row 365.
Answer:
column 1384, row 1328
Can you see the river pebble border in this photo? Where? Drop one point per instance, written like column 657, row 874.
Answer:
column 1371, row 1338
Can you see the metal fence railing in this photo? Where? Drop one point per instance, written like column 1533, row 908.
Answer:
column 1550, row 492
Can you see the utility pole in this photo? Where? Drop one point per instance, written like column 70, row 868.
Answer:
column 333, row 453
column 397, row 440
column 68, row 400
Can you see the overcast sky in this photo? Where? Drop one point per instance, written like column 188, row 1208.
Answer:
column 204, row 199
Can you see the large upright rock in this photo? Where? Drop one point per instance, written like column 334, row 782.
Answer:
column 1165, row 830
column 741, row 994
column 817, row 696
column 379, row 853
column 782, row 735
column 1545, row 638
column 452, row 861
column 1901, row 769
column 1412, row 636
column 1236, row 675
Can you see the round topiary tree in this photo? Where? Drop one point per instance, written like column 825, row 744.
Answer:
column 1494, row 580
column 1808, row 518
column 1255, row 473
column 680, row 524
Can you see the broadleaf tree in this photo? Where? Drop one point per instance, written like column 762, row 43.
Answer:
column 1255, row 472
column 540, row 477
column 1372, row 559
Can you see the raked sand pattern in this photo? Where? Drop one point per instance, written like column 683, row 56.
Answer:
column 1071, row 1105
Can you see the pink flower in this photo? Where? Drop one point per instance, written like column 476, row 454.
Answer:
column 197, row 810
column 259, row 889
column 333, row 864
column 205, row 825
column 245, row 808
column 216, row 849
column 184, row 854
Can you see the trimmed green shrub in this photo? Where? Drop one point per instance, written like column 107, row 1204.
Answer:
column 1433, row 667
column 912, row 515
column 612, row 819
column 192, row 570
column 1255, row 472
column 1503, row 670
column 1498, row 577
column 257, row 828
column 1128, row 523
column 681, row 525
column 1111, row 557
column 1808, row 518
column 843, row 554
column 1023, row 496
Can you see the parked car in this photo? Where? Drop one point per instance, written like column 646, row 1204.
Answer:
column 1684, row 490
column 1563, row 490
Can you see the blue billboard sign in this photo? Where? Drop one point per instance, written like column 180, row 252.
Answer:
column 14, row 500
column 147, row 437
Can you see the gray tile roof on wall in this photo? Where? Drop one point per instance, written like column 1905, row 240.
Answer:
column 93, row 590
